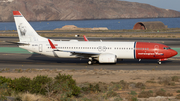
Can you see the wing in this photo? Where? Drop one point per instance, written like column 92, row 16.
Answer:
column 78, row 53
column 82, row 54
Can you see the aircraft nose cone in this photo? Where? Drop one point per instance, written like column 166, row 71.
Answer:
column 174, row 53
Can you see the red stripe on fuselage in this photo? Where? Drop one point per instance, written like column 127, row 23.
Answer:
column 147, row 50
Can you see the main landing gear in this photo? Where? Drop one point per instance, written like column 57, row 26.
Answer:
column 92, row 61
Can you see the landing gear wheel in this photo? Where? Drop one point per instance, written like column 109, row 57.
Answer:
column 159, row 62
column 90, row 62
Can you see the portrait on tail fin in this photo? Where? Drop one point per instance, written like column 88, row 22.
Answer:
column 22, row 29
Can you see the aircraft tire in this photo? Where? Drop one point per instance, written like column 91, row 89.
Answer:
column 90, row 62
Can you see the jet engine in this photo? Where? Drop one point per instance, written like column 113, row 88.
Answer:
column 107, row 58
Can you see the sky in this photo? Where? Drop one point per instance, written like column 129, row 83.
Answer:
column 166, row 4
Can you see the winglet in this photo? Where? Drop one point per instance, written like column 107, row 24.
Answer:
column 85, row 39
column 52, row 45
column 16, row 13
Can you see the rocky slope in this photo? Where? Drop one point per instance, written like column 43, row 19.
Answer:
column 36, row 10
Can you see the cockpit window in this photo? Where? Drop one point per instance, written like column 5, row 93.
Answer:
column 166, row 48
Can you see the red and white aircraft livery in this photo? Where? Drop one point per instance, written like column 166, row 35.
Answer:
column 103, row 52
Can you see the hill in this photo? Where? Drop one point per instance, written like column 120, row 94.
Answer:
column 39, row 10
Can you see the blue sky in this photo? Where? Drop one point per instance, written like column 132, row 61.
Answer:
column 166, row 4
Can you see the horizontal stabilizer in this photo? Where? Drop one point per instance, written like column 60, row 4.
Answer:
column 17, row 43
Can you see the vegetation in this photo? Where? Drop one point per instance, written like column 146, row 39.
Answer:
column 178, row 91
column 140, row 85
column 133, row 96
column 161, row 92
column 178, row 96
column 91, row 88
column 146, row 94
column 175, row 78
column 22, row 84
column 63, row 87
column 166, row 81
column 38, row 84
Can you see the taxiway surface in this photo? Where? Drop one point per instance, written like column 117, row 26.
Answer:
column 36, row 61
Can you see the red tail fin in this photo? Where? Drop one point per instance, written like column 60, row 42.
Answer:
column 16, row 13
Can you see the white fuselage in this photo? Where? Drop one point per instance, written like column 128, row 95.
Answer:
column 123, row 50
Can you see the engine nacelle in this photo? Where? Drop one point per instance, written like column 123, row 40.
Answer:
column 107, row 58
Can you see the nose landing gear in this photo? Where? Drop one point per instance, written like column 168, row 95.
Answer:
column 159, row 62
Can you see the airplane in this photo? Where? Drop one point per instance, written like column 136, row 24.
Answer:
column 102, row 52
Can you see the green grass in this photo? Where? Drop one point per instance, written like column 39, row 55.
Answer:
column 13, row 50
